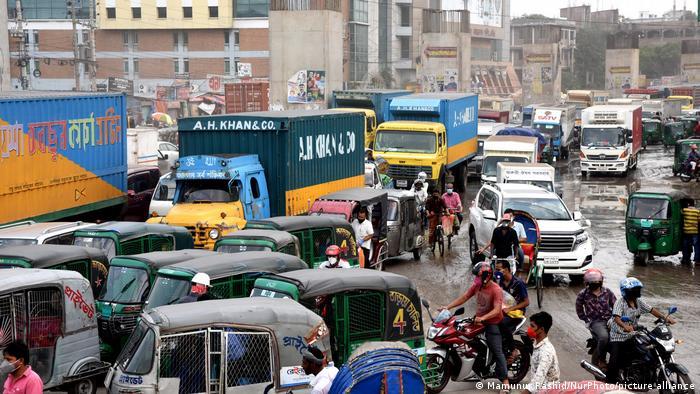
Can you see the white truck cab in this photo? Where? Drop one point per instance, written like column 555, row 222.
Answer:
column 32, row 233
column 538, row 174
column 565, row 246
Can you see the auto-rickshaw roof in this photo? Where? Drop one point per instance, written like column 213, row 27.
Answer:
column 363, row 195
column 277, row 236
column 258, row 311
column 401, row 194
column 689, row 141
column 296, row 223
column 42, row 256
column 316, row 282
column 161, row 259
column 126, row 229
column 29, row 277
column 225, row 264
column 673, row 194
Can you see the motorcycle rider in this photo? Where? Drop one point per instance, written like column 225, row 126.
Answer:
column 594, row 306
column 630, row 305
column 489, row 304
column 693, row 158
column 513, row 315
column 454, row 205
column 334, row 260
column 434, row 207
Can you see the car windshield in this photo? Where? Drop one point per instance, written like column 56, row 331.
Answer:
column 546, row 185
column 167, row 291
column 16, row 242
column 405, row 141
column 392, row 214
column 106, row 244
column 242, row 248
column 137, row 355
column 125, row 285
column 208, row 191
column 268, row 293
column 648, row 208
column 599, row 137
column 540, row 208
column 491, row 163
column 548, row 130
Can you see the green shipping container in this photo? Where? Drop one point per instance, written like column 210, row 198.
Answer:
column 306, row 154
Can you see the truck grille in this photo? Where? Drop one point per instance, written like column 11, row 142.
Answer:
column 556, row 244
column 199, row 234
column 603, row 157
column 408, row 172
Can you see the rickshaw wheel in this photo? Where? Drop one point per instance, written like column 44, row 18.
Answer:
column 85, row 386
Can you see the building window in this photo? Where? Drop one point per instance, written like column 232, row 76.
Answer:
column 213, row 12
column 185, row 40
column 136, row 12
column 227, row 66
column 360, row 11
column 125, row 38
column 126, row 66
column 180, row 39
column 176, row 66
column 405, row 15
column 359, row 51
column 111, row 13
column 136, row 66
column 187, row 12
column 405, row 43
column 236, row 38
column 251, row 8
column 186, row 65
column 162, row 12
column 36, row 66
column 227, row 39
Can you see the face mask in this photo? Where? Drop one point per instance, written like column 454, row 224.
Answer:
column 634, row 294
column 360, row 220
column 7, row 367
column 594, row 286
column 449, row 191
column 531, row 333
column 333, row 261
column 498, row 276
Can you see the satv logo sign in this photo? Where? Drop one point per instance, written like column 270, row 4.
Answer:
column 547, row 116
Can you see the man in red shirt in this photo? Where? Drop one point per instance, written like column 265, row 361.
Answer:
column 20, row 377
column 489, row 305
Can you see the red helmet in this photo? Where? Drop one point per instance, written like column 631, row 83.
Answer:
column 333, row 250
column 593, row 275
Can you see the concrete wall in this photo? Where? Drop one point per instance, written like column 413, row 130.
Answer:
column 621, row 70
column 437, row 73
column 304, row 40
column 541, row 74
column 690, row 67
column 4, row 49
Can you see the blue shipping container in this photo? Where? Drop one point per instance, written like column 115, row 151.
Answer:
column 374, row 99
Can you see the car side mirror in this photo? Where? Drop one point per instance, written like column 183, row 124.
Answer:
column 489, row 215
column 165, row 156
column 630, row 139
column 425, row 303
column 672, row 310
column 560, row 194
column 459, row 311
column 577, row 216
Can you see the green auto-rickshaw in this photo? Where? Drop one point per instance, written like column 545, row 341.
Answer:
column 358, row 306
column 251, row 240
column 673, row 131
column 652, row 131
column 315, row 233
column 128, row 285
column 680, row 154
column 690, row 122
column 653, row 224
column 91, row 263
column 126, row 238
column 232, row 275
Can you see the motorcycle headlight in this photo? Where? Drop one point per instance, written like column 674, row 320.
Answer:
column 581, row 238
column 669, row 345
column 214, row 233
column 433, row 332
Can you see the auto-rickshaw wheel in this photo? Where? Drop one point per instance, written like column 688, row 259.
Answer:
column 642, row 258
column 85, row 386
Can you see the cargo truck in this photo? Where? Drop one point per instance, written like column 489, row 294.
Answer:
column 62, row 154
column 611, row 138
column 235, row 168
column 581, row 99
column 527, row 113
column 428, row 132
column 664, row 108
column 538, row 174
column 556, row 123
column 507, row 149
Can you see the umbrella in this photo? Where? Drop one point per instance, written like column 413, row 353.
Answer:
column 162, row 117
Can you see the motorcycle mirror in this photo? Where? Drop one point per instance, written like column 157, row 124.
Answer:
column 425, row 303
column 459, row 311
column 672, row 310
column 625, row 319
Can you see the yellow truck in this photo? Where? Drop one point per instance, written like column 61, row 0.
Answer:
column 370, row 123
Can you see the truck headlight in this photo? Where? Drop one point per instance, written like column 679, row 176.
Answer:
column 214, row 233
column 581, row 238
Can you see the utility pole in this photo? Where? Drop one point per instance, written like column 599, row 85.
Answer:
column 76, row 51
column 93, row 56
column 19, row 33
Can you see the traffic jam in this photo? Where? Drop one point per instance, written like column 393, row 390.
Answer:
column 397, row 242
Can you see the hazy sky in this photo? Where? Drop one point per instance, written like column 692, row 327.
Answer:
column 628, row 8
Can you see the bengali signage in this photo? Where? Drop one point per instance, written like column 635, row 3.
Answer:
column 116, row 84
column 621, row 70
column 539, row 58
column 691, row 66
column 441, row 52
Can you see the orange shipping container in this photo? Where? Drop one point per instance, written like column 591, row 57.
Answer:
column 247, row 97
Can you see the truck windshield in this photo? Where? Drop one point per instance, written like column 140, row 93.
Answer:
column 491, row 163
column 209, row 190
column 106, row 244
column 125, row 285
column 648, row 208
column 548, row 130
column 405, row 141
column 540, row 208
column 167, row 291
column 16, row 242
column 606, row 138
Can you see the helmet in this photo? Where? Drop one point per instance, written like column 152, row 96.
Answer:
column 422, row 175
column 628, row 284
column 333, row 250
column 593, row 275
column 201, row 278
column 694, row 146
column 379, row 161
column 483, row 270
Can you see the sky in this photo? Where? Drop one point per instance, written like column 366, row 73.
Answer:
column 628, row 8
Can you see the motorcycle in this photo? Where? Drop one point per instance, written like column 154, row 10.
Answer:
column 687, row 173
column 652, row 361
column 462, row 354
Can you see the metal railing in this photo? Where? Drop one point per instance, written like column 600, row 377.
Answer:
column 305, row 5
column 435, row 21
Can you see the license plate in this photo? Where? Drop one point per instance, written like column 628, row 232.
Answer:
column 401, row 183
column 551, row 261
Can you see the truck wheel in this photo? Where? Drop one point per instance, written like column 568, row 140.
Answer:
column 461, row 178
column 473, row 247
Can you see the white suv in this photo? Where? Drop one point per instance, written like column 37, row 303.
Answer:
column 565, row 247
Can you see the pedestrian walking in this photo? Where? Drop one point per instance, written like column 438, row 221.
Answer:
column 21, row 379
column 545, row 364
column 691, row 226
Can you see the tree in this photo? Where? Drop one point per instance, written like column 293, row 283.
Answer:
column 589, row 61
column 660, row 60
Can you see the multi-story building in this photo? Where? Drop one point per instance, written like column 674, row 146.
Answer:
column 540, row 50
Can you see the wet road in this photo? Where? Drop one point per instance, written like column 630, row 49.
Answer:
column 602, row 200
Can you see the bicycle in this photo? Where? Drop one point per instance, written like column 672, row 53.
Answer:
column 439, row 239
column 453, row 223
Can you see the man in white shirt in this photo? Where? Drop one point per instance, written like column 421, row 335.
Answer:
column 322, row 373
column 363, row 232
column 545, row 364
